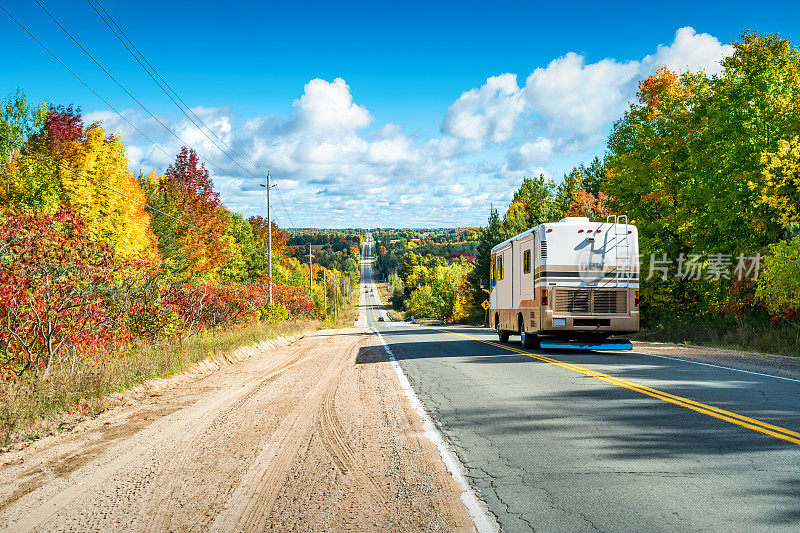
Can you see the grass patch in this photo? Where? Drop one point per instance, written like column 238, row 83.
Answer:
column 751, row 333
column 32, row 408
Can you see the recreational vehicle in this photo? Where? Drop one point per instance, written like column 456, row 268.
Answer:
column 567, row 284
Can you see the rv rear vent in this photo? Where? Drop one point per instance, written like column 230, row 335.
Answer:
column 544, row 250
column 573, row 301
column 609, row 302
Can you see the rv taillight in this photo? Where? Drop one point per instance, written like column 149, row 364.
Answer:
column 580, row 231
column 629, row 232
column 636, row 298
column 544, row 297
column 597, row 231
column 549, row 230
column 588, row 231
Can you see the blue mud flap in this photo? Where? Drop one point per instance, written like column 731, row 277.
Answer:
column 610, row 344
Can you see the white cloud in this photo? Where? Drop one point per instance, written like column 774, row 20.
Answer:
column 575, row 98
column 329, row 106
column 690, row 51
column 537, row 152
column 487, row 114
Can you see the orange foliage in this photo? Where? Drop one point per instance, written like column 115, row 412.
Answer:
column 584, row 204
column 279, row 237
column 656, row 90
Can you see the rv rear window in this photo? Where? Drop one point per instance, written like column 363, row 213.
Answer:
column 526, row 262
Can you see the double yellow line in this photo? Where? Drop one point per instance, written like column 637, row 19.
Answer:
column 710, row 410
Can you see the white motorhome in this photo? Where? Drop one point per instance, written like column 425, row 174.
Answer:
column 571, row 283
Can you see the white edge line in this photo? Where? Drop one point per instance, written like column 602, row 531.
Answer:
column 717, row 366
column 481, row 518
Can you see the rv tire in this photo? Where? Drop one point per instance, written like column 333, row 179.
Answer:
column 502, row 335
column 528, row 340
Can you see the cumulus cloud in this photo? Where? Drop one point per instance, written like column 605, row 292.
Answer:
column 574, row 98
column 487, row 114
column 690, row 51
column 330, row 106
column 536, row 152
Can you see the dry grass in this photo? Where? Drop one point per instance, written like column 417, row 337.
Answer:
column 349, row 313
column 32, row 408
column 750, row 333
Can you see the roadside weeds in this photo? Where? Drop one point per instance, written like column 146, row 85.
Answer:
column 32, row 408
column 746, row 334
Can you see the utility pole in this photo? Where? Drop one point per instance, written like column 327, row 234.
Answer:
column 335, row 299
column 310, row 270
column 269, row 235
column 324, row 293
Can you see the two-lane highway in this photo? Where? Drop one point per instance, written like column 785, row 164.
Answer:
column 585, row 441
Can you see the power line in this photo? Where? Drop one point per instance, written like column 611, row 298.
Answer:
column 134, row 51
column 284, row 206
column 112, row 189
column 183, row 106
column 119, row 84
column 114, row 109
column 83, row 82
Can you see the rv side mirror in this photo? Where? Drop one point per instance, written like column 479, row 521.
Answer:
column 484, row 283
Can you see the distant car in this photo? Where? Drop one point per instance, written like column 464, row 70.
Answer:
column 380, row 319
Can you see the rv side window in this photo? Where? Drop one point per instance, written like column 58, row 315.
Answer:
column 500, row 267
column 492, row 274
column 526, row 262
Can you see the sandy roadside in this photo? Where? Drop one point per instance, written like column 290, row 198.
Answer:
column 314, row 436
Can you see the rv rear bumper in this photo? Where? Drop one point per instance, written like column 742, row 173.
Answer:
column 559, row 323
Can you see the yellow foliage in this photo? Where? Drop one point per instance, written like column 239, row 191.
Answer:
column 109, row 216
column 516, row 207
column 780, row 188
column 28, row 183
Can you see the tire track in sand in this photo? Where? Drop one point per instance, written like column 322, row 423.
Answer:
column 251, row 503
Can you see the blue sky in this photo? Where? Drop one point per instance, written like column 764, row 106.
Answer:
column 439, row 109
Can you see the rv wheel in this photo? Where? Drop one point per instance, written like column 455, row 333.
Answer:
column 502, row 334
column 528, row 340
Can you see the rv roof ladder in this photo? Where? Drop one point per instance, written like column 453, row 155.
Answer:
column 621, row 247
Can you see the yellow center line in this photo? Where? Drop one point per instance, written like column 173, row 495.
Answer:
column 716, row 412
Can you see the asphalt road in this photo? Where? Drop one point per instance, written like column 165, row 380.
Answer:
column 621, row 441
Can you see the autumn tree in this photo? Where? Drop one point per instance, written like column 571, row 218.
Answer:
column 584, row 204
column 241, row 248
column 566, row 191
column 111, row 200
column 186, row 193
column 779, row 187
column 55, row 292
column 279, row 237
column 27, row 182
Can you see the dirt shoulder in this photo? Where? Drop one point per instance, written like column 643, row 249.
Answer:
column 312, row 436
